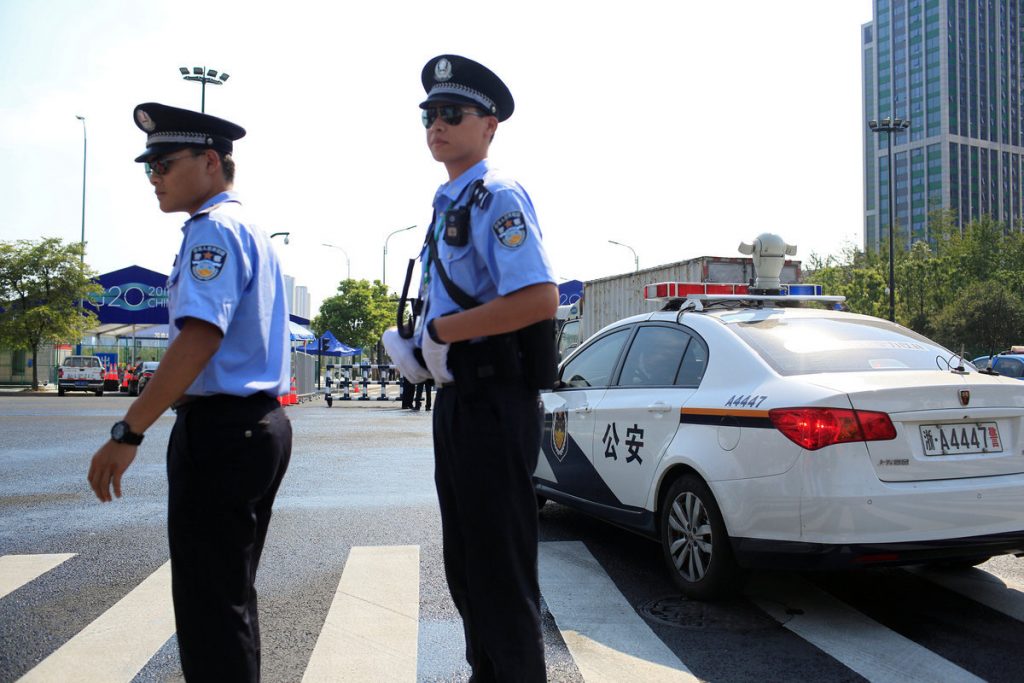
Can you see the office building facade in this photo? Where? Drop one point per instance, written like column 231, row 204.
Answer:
column 954, row 68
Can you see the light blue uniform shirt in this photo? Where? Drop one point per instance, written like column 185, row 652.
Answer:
column 228, row 275
column 504, row 252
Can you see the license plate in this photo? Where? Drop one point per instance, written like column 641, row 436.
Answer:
column 961, row 439
column 81, row 383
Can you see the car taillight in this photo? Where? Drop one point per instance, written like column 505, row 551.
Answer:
column 147, row 375
column 814, row 428
column 60, row 373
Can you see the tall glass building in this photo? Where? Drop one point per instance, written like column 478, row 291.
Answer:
column 954, row 68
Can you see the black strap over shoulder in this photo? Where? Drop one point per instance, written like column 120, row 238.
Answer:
column 480, row 196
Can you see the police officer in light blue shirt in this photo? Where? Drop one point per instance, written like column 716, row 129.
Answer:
column 485, row 337
column 220, row 256
column 225, row 366
column 502, row 251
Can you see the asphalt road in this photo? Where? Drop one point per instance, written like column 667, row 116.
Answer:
column 362, row 476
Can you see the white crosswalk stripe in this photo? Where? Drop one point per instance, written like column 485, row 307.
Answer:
column 17, row 570
column 371, row 629
column 1003, row 595
column 119, row 642
column 607, row 638
column 874, row 651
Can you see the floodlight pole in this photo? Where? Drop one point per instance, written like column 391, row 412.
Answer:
column 890, row 125
column 85, row 152
column 202, row 75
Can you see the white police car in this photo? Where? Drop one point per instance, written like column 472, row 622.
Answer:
column 741, row 432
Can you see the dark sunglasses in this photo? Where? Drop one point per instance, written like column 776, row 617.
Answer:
column 163, row 166
column 450, row 114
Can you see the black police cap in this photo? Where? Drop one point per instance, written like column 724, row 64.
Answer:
column 171, row 128
column 451, row 78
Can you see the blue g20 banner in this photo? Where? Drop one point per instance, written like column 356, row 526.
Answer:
column 131, row 296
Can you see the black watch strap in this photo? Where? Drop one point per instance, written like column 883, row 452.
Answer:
column 432, row 332
column 122, row 433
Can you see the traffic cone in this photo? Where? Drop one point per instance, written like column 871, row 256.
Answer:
column 293, row 396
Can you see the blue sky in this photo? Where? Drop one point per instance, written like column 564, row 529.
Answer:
column 676, row 128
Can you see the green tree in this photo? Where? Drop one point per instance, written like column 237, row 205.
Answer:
column 41, row 285
column 357, row 315
column 860, row 277
column 986, row 318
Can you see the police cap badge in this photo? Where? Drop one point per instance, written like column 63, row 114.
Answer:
column 455, row 79
column 170, row 128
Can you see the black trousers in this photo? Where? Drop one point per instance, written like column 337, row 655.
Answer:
column 225, row 461
column 485, row 450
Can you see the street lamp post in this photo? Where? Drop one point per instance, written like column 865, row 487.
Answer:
column 276, row 234
column 384, row 272
column 636, row 260
column 890, row 125
column 203, row 75
column 348, row 264
column 85, row 151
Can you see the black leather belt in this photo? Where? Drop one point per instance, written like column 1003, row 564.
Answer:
column 189, row 400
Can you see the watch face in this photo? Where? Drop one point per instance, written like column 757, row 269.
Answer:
column 117, row 432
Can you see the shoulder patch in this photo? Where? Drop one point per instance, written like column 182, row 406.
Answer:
column 510, row 229
column 207, row 261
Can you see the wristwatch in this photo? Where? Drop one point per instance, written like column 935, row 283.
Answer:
column 121, row 433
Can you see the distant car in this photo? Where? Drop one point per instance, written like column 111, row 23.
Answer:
column 746, row 433
column 141, row 374
column 80, row 373
column 1009, row 365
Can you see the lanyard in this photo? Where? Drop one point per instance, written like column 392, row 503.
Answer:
column 438, row 228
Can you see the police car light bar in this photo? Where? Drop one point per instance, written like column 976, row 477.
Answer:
column 707, row 291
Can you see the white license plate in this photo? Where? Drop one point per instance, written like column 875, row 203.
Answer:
column 961, row 439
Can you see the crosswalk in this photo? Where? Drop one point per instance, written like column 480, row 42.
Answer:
column 372, row 627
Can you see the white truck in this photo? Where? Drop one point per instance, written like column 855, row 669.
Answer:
column 608, row 299
column 80, row 373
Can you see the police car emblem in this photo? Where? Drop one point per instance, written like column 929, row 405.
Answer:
column 443, row 69
column 145, row 121
column 559, row 433
column 510, row 229
column 207, row 261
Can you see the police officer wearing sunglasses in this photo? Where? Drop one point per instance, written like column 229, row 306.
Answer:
column 227, row 361
column 488, row 294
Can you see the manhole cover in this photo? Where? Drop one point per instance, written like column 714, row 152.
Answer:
column 677, row 611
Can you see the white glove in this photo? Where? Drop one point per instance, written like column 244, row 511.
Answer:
column 401, row 351
column 436, row 357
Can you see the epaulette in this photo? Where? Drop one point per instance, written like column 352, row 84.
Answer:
column 481, row 195
column 208, row 210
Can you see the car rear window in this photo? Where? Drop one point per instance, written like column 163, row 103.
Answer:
column 802, row 346
column 81, row 362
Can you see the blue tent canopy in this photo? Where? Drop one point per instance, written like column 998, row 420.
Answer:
column 335, row 347
column 299, row 333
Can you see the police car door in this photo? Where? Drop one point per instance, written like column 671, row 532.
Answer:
column 566, row 460
column 639, row 414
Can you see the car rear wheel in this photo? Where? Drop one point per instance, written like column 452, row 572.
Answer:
column 694, row 541
column 99, row 392
column 60, row 391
